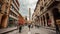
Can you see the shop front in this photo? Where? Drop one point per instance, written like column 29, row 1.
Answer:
column 12, row 22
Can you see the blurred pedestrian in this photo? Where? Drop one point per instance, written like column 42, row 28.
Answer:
column 29, row 26
column 20, row 23
column 57, row 30
column 20, row 28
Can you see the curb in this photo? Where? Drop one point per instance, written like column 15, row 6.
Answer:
column 49, row 28
column 7, row 30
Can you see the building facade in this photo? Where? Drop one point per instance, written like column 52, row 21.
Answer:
column 8, row 13
column 14, row 13
column 48, row 11
column 4, row 12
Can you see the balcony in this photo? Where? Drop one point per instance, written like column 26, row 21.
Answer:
column 14, row 6
column 13, row 17
column 45, row 2
column 52, row 3
column 8, row 1
column 41, row 3
column 41, row 9
column 45, row 9
column 13, row 11
column 16, row 3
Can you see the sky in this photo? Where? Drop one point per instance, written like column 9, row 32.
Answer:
column 25, row 5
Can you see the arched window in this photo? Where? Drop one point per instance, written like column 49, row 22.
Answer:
column 56, row 13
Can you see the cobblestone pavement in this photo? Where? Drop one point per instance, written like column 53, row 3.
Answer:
column 34, row 31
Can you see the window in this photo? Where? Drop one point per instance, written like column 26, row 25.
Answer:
column 13, row 14
column 41, row 8
column 12, row 7
column 13, row 1
column 45, row 4
column 56, row 13
column 0, row 6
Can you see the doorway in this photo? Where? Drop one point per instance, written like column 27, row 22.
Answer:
column 56, row 16
column 44, row 20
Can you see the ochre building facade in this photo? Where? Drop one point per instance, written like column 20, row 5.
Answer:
column 47, row 13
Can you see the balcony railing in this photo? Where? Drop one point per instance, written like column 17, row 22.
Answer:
column 13, row 11
column 13, row 17
column 49, row 3
column 15, row 6
column 16, row 3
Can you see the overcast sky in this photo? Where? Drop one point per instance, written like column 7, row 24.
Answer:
column 25, row 5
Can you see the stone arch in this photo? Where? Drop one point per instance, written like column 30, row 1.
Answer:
column 47, row 19
column 56, row 16
column 56, row 13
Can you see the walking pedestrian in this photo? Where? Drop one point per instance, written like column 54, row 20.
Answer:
column 29, row 27
column 57, row 30
column 20, row 28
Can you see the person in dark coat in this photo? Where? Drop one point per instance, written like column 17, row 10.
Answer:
column 29, row 26
column 20, row 28
column 57, row 30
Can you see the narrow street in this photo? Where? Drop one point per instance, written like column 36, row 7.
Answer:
column 33, row 31
column 32, row 16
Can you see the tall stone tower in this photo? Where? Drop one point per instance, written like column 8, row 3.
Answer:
column 29, row 15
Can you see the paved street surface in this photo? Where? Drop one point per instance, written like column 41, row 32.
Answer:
column 34, row 31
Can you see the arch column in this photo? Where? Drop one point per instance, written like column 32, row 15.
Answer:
column 4, row 21
column 44, row 20
column 0, row 17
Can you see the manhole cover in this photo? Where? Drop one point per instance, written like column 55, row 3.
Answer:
column 37, row 33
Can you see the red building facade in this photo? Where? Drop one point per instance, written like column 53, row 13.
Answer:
column 21, row 20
